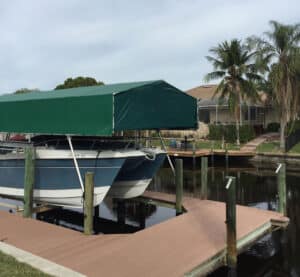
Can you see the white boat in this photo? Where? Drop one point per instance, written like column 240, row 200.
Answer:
column 137, row 173
column 56, row 181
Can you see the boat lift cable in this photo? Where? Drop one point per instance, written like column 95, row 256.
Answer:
column 75, row 163
column 165, row 149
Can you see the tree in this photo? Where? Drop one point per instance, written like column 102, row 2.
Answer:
column 279, row 50
column 25, row 90
column 79, row 82
column 234, row 65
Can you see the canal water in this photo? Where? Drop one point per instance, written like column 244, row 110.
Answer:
column 277, row 254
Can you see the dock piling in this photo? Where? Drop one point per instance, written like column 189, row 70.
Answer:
column 29, row 181
column 281, row 183
column 179, row 184
column 212, row 158
column 88, row 205
column 204, row 162
column 231, row 256
column 194, row 154
column 226, row 157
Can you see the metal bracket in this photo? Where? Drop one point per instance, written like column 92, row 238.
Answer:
column 228, row 183
column 278, row 168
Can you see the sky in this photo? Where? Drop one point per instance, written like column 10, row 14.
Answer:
column 44, row 42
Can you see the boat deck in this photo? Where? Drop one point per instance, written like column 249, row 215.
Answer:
column 193, row 242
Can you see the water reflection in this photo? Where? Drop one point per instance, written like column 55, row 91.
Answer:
column 111, row 217
column 277, row 254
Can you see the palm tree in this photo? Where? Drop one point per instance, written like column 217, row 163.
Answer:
column 279, row 49
column 234, row 64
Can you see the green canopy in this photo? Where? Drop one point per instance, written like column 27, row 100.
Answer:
column 99, row 110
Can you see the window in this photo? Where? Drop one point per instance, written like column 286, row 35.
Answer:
column 252, row 113
column 204, row 116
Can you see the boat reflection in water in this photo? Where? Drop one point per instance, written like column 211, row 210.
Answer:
column 112, row 218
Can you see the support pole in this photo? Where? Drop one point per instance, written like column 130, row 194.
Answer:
column 179, row 184
column 281, row 184
column 88, row 205
column 204, row 161
column 231, row 257
column 75, row 163
column 165, row 149
column 29, row 181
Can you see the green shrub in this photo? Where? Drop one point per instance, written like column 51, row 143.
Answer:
column 216, row 132
column 273, row 127
column 247, row 133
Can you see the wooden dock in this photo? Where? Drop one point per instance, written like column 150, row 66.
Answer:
column 193, row 243
column 207, row 152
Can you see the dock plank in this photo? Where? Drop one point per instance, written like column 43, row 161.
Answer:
column 171, row 248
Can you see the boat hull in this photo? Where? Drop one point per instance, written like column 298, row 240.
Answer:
column 56, row 181
column 62, row 197
column 136, row 175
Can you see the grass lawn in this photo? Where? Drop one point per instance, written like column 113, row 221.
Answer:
column 217, row 144
column 295, row 149
column 9, row 266
column 273, row 147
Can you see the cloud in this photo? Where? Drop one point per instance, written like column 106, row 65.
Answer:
column 44, row 42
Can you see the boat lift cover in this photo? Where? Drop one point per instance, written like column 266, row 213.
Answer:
column 99, row 110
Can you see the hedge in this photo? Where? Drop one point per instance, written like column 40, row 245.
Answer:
column 216, row 132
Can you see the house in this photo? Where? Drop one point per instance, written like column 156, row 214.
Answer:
column 213, row 110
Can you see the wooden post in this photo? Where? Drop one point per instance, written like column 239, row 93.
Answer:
column 212, row 160
column 29, row 181
column 88, row 205
column 226, row 158
column 212, row 157
column 179, row 184
column 231, row 257
column 204, row 161
column 194, row 154
column 281, row 183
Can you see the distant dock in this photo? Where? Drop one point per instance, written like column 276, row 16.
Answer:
column 191, row 244
column 207, row 152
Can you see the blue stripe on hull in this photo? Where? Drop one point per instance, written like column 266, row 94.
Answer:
column 139, row 168
column 59, row 174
